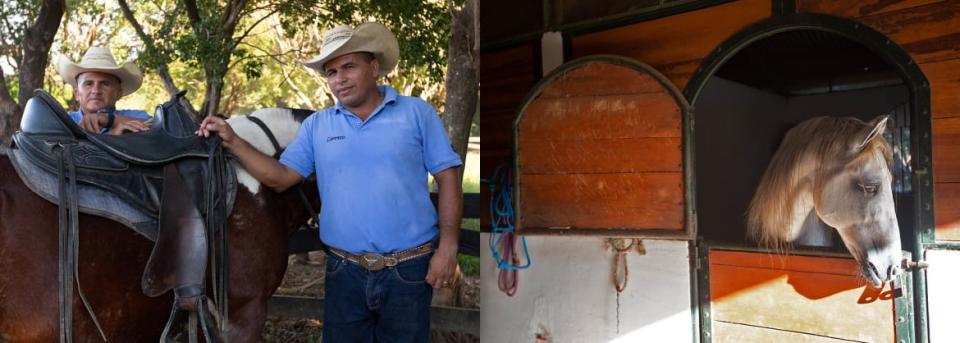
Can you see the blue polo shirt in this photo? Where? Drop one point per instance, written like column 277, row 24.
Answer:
column 372, row 175
column 137, row 114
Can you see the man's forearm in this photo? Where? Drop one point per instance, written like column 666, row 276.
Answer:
column 449, row 207
column 261, row 166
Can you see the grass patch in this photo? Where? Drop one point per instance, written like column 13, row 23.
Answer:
column 470, row 265
column 471, row 184
column 472, row 224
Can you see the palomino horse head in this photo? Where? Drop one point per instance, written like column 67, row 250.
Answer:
column 839, row 168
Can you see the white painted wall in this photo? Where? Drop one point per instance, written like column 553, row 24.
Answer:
column 942, row 300
column 568, row 294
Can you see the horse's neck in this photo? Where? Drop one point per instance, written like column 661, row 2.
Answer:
column 802, row 200
column 814, row 232
column 802, row 207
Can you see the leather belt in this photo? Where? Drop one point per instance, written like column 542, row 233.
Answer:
column 374, row 262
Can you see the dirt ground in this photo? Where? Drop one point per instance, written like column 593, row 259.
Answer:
column 305, row 278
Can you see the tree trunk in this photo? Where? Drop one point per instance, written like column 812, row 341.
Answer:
column 211, row 99
column 36, row 51
column 8, row 111
column 461, row 80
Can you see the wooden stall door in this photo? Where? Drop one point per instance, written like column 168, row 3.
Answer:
column 600, row 151
column 762, row 297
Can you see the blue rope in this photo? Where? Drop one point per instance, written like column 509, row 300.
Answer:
column 502, row 218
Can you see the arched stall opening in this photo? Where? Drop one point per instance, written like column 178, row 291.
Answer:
column 770, row 86
column 745, row 97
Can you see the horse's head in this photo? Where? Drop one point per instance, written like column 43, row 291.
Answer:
column 840, row 168
column 854, row 195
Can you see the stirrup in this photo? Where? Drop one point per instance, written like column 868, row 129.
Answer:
column 191, row 309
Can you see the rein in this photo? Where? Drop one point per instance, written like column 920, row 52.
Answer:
column 69, row 246
column 314, row 223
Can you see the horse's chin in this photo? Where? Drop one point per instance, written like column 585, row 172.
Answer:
column 869, row 276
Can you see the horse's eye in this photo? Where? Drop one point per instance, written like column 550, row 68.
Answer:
column 869, row 188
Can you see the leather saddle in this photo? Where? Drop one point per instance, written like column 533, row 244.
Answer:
column 180, row 181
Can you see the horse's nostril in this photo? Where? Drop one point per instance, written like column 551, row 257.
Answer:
column 891, row 271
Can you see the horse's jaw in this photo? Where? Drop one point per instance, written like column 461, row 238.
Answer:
column 876, row 250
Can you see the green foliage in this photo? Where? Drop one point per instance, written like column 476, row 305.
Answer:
column 258, row 63
column 15, row 17
column 469, row 265
column 421, row 27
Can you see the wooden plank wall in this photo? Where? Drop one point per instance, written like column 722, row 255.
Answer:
column 758, row 297
column 930, row 32
column 600, row 148
column 506, row 76
column 675, row 45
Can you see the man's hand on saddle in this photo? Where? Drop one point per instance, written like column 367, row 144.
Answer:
column 96, row 121
column 218, row 125
column 124, row 125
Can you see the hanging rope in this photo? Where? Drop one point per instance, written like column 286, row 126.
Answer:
column 620, row 249
column 502, row 237
column 620, row 272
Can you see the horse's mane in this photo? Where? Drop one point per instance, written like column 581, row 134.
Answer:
column 819, row 138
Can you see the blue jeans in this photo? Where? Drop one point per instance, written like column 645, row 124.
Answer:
column 388, row 305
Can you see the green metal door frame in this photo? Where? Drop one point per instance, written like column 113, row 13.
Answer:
column 919, row 88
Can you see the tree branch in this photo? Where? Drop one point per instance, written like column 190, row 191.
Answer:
column 232, row 16
column 37, row 40
column 36, row 47
column 193, row 15
column 234, row 62
column 162, row 70
column 255, row 24
column 7, row 103
column 253, row 10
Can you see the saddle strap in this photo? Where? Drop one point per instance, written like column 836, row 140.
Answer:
column 216, row 209
column 68, row 228
column 68, row 213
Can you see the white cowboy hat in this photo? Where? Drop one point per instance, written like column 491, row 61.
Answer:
column 100, row 59
column 369, row 37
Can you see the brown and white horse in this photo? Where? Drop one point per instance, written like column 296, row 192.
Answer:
column 112, row 257
column 837, row 170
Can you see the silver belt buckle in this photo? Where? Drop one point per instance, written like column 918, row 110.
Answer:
column 372, row 262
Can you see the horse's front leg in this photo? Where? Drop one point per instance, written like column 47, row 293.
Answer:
column 258, row 261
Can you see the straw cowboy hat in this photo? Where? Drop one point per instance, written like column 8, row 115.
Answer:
column 100, row 59
column 368, row 37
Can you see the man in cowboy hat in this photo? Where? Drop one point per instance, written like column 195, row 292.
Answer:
column 98, row 83
column 371, row 153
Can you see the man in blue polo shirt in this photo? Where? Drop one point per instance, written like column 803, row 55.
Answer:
column 371, row 153
column 98, row 83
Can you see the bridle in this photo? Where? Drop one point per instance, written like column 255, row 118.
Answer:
column 313, row 224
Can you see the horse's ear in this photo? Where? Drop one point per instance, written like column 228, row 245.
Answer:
column 874, row 128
